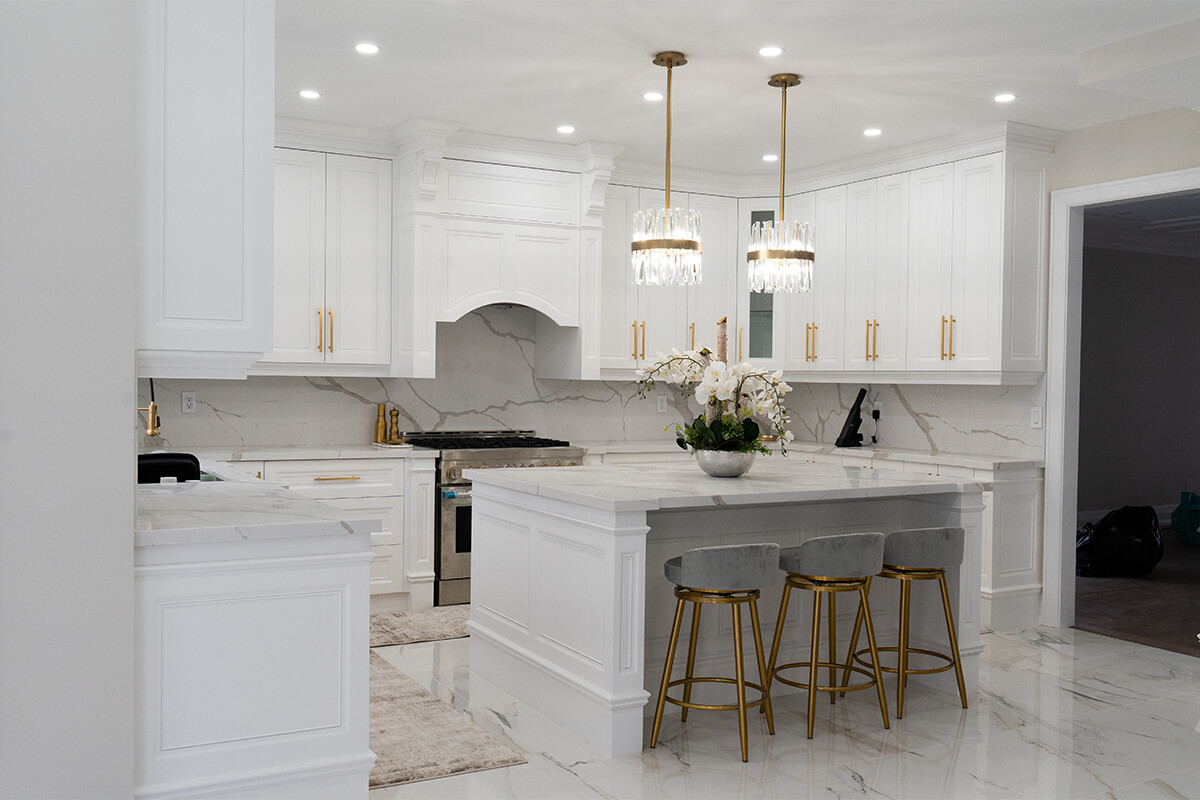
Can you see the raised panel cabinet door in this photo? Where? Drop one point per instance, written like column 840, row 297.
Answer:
column 716, row 296
column 299, row 256
column 541, row 270
column 829, row 281
column 358, row 262
column 615, row 346
column 978, row 262
column 889, row 334
column 930, row 240
column 861, row 255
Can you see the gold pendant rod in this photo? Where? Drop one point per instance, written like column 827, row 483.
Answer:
column 669, row 69
column 783, row 80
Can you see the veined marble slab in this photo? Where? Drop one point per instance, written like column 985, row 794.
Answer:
column 301, row 452
column 670, row 484
column 209, row 512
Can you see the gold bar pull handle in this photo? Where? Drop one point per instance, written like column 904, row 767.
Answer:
column 692, row 346
column 943, row 338
column 875, row 340
column 951, row 348
column 635, row 338
column 321, row 329
column 814, row 348
column 339, row 478
column 807, row 341
column 643, row 340
column 867, row 343
column 739, row 342
column 331, row 329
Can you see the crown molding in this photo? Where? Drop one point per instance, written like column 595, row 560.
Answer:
column 306, row 134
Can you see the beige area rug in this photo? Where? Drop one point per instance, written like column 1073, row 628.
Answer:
column 416, row 737
column 430, row 625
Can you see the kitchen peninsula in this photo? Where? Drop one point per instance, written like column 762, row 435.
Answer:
column 252, row 629
column 571, row 612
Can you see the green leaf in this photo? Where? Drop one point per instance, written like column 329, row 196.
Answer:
column 750, row 430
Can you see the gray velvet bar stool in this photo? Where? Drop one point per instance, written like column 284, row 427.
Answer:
column 725, row 575
column 918, row 554
column 827, row 565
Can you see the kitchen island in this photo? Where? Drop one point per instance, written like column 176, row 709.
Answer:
column 252, row 643
column 570, row 610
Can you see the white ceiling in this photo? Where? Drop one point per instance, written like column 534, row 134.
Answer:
column 918, row 70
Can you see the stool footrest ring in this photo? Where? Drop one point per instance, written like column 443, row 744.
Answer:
column 720, row 706
column 860, row 659
column 870, row 682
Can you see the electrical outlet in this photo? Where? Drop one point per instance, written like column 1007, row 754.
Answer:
column 661, row 400
column 189, row 402
column 1035, row 417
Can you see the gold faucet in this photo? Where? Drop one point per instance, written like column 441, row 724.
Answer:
column 151, row 413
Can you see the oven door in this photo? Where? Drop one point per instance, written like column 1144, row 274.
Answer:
column 454, row 538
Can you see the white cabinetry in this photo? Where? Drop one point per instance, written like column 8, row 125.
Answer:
column 333, row 262
column 400, row 491
column 639, row 322
column 877, row 273
column 814, row 320
column 204, row 294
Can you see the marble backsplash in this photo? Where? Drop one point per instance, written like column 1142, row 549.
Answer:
column 486, row 381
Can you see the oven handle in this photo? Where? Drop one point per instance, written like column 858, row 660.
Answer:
column 457, row 496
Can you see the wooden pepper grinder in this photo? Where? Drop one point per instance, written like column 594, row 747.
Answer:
column 394, row 431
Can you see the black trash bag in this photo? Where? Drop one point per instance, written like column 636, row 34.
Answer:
column 1125, row 543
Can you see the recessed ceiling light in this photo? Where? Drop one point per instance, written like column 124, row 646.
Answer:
column 872, row 132
column 653, row 97
column 366, row 48
column 770, row 157
column 566, row 129
column 770, row 51
column 309, row 94
column 1005, row 97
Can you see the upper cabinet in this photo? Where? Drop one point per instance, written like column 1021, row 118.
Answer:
column 204, row 294
column 877, row 225
column 333, row 265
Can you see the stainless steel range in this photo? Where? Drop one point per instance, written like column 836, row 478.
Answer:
column 462, row 450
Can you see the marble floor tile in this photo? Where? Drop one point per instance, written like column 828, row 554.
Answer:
column 1060, row 714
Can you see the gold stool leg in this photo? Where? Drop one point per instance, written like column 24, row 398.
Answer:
column 958, row 672
column 691, row 659
column 783, row 606
column 902, row 654
column 740, row 671
column 832, row 645
column 666, row 678
column 864, row 612
column 858, row 621
column 813, row 658
column 762, row 667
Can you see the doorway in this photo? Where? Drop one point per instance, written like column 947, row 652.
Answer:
column 1067, row 211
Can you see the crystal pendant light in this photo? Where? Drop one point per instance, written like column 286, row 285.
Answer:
column 781, row 252
column 666, row 241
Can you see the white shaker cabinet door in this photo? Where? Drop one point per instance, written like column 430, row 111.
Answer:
column 931, row 199
column 616, row 342
column 358, row 275
column 717, row 294
column 978, row 262
column 299, row 256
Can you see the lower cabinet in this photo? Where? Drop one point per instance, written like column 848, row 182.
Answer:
column 400, row 492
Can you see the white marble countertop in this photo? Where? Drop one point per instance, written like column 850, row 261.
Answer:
column 208, row 512
column 670, row 484
column 304, row 452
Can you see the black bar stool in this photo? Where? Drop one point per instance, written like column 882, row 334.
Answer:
column 827, row 565
column 917, row 554
column 726, row 575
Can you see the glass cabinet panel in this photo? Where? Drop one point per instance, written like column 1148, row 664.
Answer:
column 762, row 305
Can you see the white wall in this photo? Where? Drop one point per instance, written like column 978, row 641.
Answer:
column 1139, row 441
column 68, row 234
column 485, row 381
column 1130, row 148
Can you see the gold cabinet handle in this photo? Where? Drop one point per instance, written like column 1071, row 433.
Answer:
column 867, row 342
column 635, row 338
column 875, row 340
column 339, row 478
column 943, row 338
column 643, row 339
column 807, row 341
column 331, row 329
column 739, row 342
column 814, row 347
column 693, row 329
column 321, row 329
column 951, row 347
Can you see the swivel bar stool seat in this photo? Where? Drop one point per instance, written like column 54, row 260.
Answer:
column 919, row 554
column 726, row 575
column 827, row 565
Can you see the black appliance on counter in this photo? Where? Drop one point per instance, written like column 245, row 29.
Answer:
column 461, row 450
column 850, row 437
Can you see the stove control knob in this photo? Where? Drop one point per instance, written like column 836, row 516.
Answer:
column 453, row 473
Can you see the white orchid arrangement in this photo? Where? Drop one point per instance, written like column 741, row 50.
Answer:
column 732, row 397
